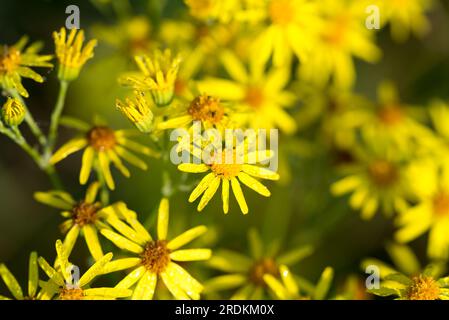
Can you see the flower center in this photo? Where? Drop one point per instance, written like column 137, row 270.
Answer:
column 228, row 167
column 335, row 33
column 281, row 11
column 261, row 268
column 71, row 294
column 423, row 288
column 9, row 59
column 382, row 173
column 101, row 138
column 206, row 108
column 254, row 97
column 390, row 114
column 441, row 203
column 85, row 213
column 156, row 256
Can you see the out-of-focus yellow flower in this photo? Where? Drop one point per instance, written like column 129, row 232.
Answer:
column 62, row 284
column 102, row 146
column 137, row 111
column 431, row 187
column 85, row 217
column 158, row 76
column 248, row 274
column 288, row 289
column 155, row 258
column 260, row 98
column 341, row 36
column 377, row 180
column 70, row 52
column 405, row 17
column 15, row 63
column 222, row 10
column 229, row 168
column 13, row 285
column 13, row 112
column 291, row 28
column 439, row 114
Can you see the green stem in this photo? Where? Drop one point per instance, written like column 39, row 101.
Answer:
column 15, row 135
column 55, row 116
column 30, row 120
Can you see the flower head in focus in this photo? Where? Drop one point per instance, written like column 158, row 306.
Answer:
column 70, row 52
column 16, row 62
column 62, row 284
column 85, row 217
column 14, row 286
column 229, row 168
column 156, row 258
column 138, row 111
column 102, row 145
column 157, row 75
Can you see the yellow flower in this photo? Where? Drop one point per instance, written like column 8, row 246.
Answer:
column 102, row 146
column 63, row 284
column 71, row 54
column 430, row 184
column 405, row 17
column 378, row 180
column 222, row 10
column 291, row 29
column 227, row 169
column 341, row 36
column 288, row 289
column 155, row 258
column 248, row 274
column 209, row 110
column 137, row 111
column 259, row 97
column 85, row 217
column 157, row 74
column 410, row 282
column 13, row 285
column 15, row 63
column 13, row 112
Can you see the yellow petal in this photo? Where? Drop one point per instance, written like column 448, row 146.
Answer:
column 253, row 184
column 70, row 239
column 86, row 164
column 67, row 149
column 55, row 199
column 193, row 168
column 187, row 283
column 225, row 195
column 131, row 278
column 260, row 172
column 145, row 287
column 131, row 158
column 33, row 275
column 108, row 292
column 121, row 241
column 225, row 282
column 11, row 282
column 90, row 233
column 106, row 170
column 191, row 255
column 209, row 193
column 237, row 190
column 162, row 219
column 173, row 287
column 121, row 264
column 95, row 270
column 204, row 183
column 125, row 230
column 186, row 237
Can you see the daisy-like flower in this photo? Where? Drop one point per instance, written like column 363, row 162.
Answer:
column 247, row 275
column 13, row 112
column 138, row 111
column 261, row 98
column 85, row 217
column 410, row 282
column 229, row 168
column 157, row 75
column 341, row 36
column 70, row 52
column 16, row 62
column 291, row 29
column 377, row 180
column 156, row 258
column 430, row 185
column 63, row 284
column 288, row 288
column 102, row 145
column 14, row 286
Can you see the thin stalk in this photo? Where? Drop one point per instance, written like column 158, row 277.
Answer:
column 55, row 117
